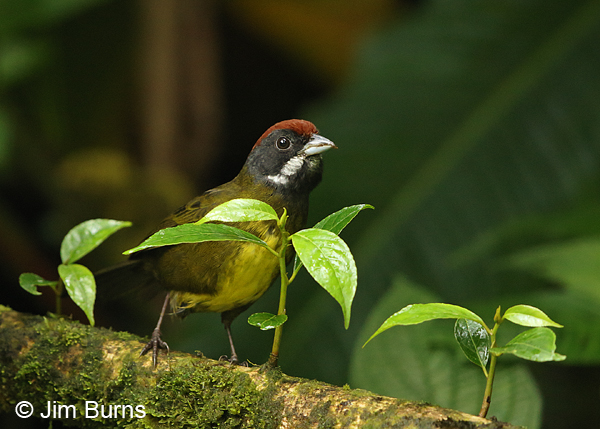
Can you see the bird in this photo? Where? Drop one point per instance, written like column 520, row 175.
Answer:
column 283, row 167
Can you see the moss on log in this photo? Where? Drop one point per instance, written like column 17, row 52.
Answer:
column 93, row 377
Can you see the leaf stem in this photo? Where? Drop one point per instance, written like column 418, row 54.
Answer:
column 285, row 281
column 296, row 271
column 58, row 291
column 487, row 394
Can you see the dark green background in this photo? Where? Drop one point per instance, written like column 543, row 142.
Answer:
column 473, row 127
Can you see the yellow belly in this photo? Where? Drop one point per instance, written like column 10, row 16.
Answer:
column 249, row 274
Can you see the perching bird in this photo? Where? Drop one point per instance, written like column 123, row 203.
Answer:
column 226, row 277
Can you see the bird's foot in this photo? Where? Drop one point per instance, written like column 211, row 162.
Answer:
column 233, row 360
column 155, row 344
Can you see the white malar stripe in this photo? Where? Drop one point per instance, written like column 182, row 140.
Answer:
column 278, row 179
column 293, row 165
column 288, row 170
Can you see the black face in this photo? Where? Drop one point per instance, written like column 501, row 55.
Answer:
column 279, row 161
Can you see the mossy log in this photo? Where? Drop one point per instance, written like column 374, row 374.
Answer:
column 93, row 377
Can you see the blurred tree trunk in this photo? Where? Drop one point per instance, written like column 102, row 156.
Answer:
column 181, row 91
column 45, row 359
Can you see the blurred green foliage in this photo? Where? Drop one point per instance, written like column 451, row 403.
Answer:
column 473, row 127
column 25, row 50
column 460, row 125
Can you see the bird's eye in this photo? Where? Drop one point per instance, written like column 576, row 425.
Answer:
column 283, row 143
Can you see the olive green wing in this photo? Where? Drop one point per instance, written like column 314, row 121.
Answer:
column 198, row 207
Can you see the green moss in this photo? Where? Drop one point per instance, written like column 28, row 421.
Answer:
column 65, row 363
column 56, row 355
column 321, row 414
column 210, row 395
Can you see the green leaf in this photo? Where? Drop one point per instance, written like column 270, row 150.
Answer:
column 526, row 315
column 192, row 233
column 474, row 341
column 418, row 313
column 266, row 321
column 422, row 363
column 337, row 221
column 537, row 344
column 240, row 210
column 329, row 261
column 81, row 287
column 86, row 236
column 31, row 281
column 581, row 341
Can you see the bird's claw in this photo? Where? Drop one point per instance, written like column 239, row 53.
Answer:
column 233, row 360
column 155, row 344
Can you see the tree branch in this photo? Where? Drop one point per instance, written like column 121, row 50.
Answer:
column 82, row 372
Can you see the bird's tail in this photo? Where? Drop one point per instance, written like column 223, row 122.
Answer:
column 125, row 278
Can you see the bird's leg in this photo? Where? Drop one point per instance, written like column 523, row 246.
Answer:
column 227, row 317
column 234, row 357
column 156, row 342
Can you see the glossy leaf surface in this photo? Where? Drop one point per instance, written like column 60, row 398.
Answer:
column 474, row 341
column 527, row 315
column 192, row 233
column 329, row 261
column 31, row 281
column 81, row 287
column 86, row 236
column 266, row 321
column 240, row 210
column 537, row 344
column 418, row 313
column 337, row 221
column 422, row 362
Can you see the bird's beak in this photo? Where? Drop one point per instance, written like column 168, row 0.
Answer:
column 317, row 144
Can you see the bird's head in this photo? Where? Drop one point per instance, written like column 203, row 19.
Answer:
column 287, row 156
